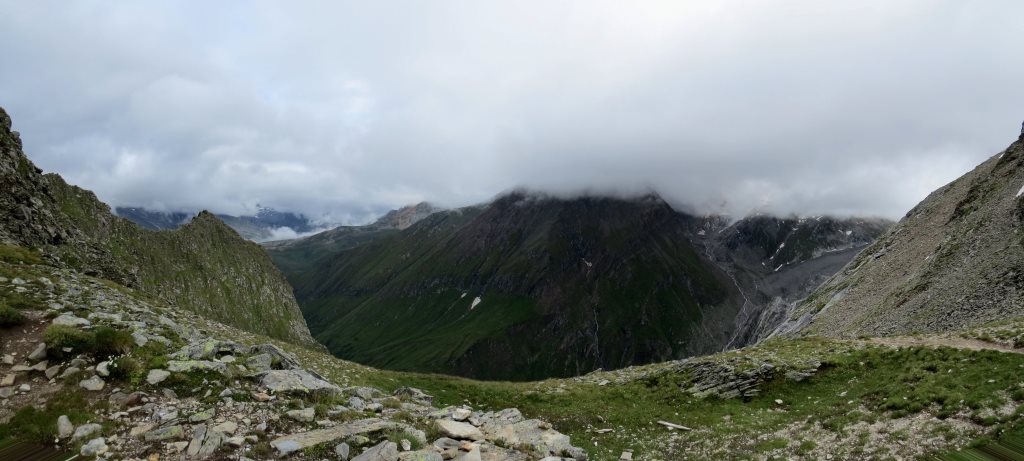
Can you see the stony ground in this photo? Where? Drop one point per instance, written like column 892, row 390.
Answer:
column 157, row 383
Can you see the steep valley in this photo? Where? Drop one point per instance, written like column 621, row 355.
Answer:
column 532, row 286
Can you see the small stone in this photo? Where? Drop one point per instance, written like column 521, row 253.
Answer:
column 86, row 430
column 70, row 371
column 157, row 376
column 261, row 396
column 8, row 359
column 95, row 447
column 778, row 401
column 305, row 415
column 38, row 353
column 41, row 366
column 236, row 442
column 228, row 427
column 342, row 450
column 92, row 384
column 406, row 445
column 52, row 371
column 142, row 428
column 461, row 414
column 164, row 433
column 64, row 427
column 6, row 392
column 177, row 447
column 201, row 416
column 103, row 369
column 8, row 380
column 24, row 388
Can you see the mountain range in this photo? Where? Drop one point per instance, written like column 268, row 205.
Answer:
column 267, row 224
column 122, row 342
column 593, row 282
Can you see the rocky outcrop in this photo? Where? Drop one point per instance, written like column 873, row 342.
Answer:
column 953, row 261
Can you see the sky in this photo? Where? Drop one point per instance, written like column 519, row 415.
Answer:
column 341, row 110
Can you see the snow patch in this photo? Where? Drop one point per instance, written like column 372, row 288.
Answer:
column 463, row 296
column 1020, row 192
column 476, row 301
column 701, row 232
column 849, row 233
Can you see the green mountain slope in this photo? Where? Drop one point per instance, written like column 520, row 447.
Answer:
column 204, row 267
column 955, row 260
column 525, row 287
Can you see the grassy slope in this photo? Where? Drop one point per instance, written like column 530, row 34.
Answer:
column 204, row 266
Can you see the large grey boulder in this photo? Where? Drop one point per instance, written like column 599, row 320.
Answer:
column 71, row 321
column 283, row 359
column 296, row 381
column 458, row 430
column 384, row 451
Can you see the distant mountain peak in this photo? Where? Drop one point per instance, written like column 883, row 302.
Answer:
column 406, row 216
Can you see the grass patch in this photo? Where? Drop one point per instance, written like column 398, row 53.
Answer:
column 103, row 342
column 10, row 317
column 19, row 255
column 39, row 425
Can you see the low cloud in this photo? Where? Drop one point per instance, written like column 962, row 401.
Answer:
column 346, row 109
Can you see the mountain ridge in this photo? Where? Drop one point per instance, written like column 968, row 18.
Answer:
column 189, row 267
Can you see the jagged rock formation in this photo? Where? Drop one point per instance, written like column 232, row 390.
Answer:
column 776, row 262
column 955, row 260
column 204, row 267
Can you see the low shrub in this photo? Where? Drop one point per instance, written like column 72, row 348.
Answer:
column 109, row 342
column 60, row 337
column 10, row 317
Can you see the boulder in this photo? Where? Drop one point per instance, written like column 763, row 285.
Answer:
column 64, row 427
column 304, row 415
column 71, row 321
column 157, row 376
column 92, row 384
column 458, row 430
column 186, row 366
column 86, row 430
column 295, row 442
column 296, row 381
column 38, row 353
column 95, row 447
column 165, row 433
column 384, row 451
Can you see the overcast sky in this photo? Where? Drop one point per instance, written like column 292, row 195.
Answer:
column 810, row 107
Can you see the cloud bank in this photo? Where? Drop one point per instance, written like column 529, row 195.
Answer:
column 346, row 109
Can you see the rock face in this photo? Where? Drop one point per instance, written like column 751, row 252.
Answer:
column 204, row 266
column 955, row 260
